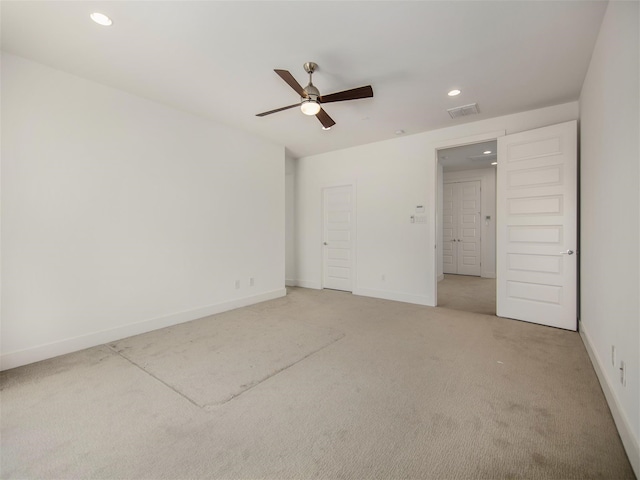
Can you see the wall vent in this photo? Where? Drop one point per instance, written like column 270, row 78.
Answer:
column 464, row 110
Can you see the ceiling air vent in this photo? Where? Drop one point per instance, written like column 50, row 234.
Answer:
column 464, row 110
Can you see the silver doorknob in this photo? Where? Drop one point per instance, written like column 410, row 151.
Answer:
column 568, row 252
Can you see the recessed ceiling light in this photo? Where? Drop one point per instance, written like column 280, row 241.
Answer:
column 487, row 152
column 326, row 128
column 101, row 19
column 494, row 163
column 453, row 93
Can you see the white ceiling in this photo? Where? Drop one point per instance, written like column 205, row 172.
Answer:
column 467, row 157
column 216, row 59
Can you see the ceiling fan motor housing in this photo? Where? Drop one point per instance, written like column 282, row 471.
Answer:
column 312, row 92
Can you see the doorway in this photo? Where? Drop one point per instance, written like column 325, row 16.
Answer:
column 466, row 227
column 338, row 233
column 536, row 188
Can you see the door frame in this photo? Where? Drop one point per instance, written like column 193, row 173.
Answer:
column 456, row 142
column 354, row 231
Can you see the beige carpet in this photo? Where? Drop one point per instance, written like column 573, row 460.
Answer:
column 467, row 293
column 348, row 387
column 210, row 362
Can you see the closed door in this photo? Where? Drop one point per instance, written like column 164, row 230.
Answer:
column 449, row 228
column 461, row 228
column 537, row 226
column 338, row 233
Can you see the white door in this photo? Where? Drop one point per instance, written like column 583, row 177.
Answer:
column 537, row 226
column 461, row 228
column 469, row 228
column 338, row 227
column 449, row 229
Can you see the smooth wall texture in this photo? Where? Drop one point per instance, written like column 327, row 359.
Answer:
column 120, row 215
column 610, row 211
column 392, row 178
column 290, row 220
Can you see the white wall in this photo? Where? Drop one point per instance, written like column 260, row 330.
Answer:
column 290, row 221
column 120, row 215
column 392, row 177
column 610, row 211
column 487, row 178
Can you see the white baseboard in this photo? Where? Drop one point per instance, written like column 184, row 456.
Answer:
column 62, row 347
column 290, row 283
column 630, row 442
column 397, row 296
column 441, row 277
column 488, row 275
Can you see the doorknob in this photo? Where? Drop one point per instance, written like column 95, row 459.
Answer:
column 568, row 252
column 325, row 243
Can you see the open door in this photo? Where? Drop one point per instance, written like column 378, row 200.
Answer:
column 537, row 226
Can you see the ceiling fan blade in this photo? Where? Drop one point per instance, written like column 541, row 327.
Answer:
column 325, row 119
column 277, row 110
column 293, row 83
column 353, row 94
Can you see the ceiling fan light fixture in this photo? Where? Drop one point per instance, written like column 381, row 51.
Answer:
column 310, row 106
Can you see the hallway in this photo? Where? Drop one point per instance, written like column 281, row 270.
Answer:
column 468, row 293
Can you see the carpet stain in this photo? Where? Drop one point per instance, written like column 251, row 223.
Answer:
column 513, row 407
column 501, row 443
column 539, row 459
column 441, row 425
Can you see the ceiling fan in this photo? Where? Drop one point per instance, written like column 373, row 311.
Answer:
column 311, row 100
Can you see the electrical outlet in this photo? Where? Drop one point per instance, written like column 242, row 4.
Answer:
column 623, row 374
column 613, row 355
column 251, row 282
column 237, row 284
